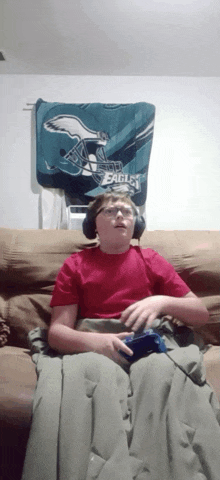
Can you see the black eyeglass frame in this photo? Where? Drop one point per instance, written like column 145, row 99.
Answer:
column 119, row 209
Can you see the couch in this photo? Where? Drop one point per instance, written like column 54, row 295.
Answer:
column 29, row 262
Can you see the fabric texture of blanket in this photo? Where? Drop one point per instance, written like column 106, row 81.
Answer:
column 94, row 420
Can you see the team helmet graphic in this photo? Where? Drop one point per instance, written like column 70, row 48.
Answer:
column 87, row 156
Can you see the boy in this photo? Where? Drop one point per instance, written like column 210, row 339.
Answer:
column 116, row 280
column 154, row 418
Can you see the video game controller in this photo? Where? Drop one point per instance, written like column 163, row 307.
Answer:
column 143, row 344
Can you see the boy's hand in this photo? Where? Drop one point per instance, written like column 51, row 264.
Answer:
column 144, row 312
column 109, row 344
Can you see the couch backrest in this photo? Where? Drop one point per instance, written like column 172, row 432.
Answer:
column 195, row 255
column 30, row 261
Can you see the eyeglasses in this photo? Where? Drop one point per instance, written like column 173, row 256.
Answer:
column 113, row 211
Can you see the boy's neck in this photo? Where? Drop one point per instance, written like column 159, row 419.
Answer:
column 114, row 249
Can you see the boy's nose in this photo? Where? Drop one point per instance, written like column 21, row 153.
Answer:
column 119, row 213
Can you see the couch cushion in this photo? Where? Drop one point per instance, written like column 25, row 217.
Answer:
column 17, row 380
column 212, row 366
column 195, row 256
column 27, row 311
column 29, row 263
column 32, row 257
column 211, row 331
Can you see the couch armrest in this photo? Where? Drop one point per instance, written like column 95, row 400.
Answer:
column 212, row 365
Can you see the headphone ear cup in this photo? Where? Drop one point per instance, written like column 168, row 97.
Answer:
column 89, row 228
column 139, row 226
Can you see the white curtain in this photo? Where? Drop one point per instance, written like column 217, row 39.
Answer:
column 53, row 211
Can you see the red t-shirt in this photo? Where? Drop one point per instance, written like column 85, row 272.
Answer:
column 103, row 285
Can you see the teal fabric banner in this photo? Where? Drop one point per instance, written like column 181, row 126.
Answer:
column 87, row 149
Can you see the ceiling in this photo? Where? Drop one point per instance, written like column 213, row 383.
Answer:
column 110, row 37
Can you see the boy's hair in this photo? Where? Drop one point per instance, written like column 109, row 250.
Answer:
column 94, row 207
column 96, row 204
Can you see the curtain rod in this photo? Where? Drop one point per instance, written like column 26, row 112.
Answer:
column 29, row 105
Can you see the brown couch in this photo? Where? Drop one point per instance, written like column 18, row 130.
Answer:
column 29, row 262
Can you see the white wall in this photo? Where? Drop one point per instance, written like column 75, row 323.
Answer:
column 184, row 173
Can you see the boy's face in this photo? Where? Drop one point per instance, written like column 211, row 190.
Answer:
column 115, row 222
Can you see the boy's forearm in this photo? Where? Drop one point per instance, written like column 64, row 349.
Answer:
column 67, row 340
column 189, row 310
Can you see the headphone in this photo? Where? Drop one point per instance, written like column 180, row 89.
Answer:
column 89, row 226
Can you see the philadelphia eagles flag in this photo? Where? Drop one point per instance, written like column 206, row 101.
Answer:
column 87, row 149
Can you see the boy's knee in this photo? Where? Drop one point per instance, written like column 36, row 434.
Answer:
column 93, row 358
column 95, row 365
column 156, row 365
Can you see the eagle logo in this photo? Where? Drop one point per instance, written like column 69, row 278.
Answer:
column 87, row 156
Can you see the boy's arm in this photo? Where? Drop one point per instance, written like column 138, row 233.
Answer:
column 60, row 335
column 189, row 309
column 66, row 340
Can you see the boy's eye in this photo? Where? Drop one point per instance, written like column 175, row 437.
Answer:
column 126, row 212
column 112, row 211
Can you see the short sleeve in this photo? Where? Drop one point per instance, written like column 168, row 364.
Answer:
column 65, row 289
column 166, row 280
